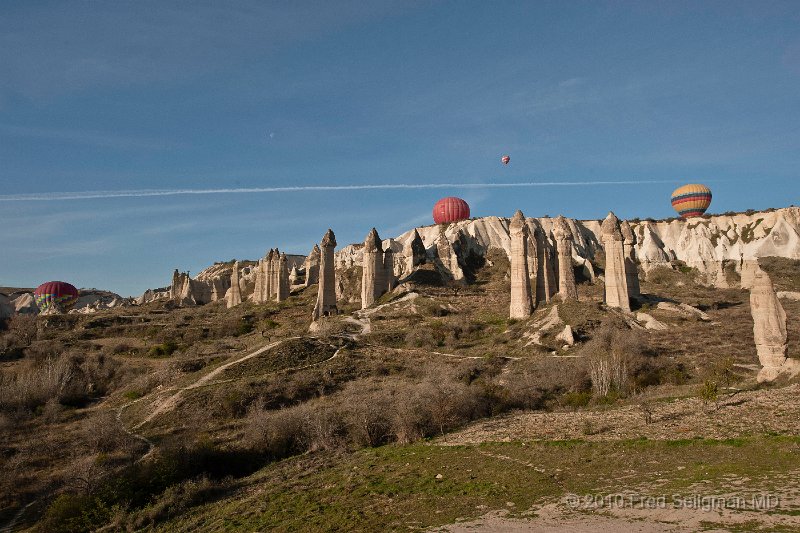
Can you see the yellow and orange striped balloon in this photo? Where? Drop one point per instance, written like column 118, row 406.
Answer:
column 691, row 200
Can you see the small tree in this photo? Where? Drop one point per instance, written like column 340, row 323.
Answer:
column 709, row 392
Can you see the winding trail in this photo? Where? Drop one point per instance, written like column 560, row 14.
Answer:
column 170, row 403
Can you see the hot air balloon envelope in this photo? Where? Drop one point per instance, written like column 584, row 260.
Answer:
column 505, row 159
column 450, row 209
column 55, row 295
column 691, row 200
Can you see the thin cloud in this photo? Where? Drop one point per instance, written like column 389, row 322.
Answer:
column 102, row 139
column 145, row 193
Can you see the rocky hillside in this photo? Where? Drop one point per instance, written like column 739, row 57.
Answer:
column 714, row 245
column 710, row 244
column 90, row 301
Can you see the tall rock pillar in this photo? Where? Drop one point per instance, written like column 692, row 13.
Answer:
column 235, row 292
column 326, row 294
column 629, row 249
column 545, row 278
column 389, row 279
column 372, row 282
column 520, row 281
column 566, row 275
column 258, row 289
column 282, row 279
column 276, row 274
column 769, row 326
column 268, row 287
column 616, row 289
column 312, row 266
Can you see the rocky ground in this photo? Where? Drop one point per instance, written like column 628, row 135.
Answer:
column 734, row 414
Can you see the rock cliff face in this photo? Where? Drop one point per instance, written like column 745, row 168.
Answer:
column 702, row 243
column 716, row 246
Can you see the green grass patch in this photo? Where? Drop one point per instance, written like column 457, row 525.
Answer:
column 396, row 487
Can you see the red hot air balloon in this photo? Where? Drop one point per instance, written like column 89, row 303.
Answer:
column 450, row 209
column 505, row 159
column 55, row 296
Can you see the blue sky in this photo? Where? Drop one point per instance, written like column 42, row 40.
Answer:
column 110, row 96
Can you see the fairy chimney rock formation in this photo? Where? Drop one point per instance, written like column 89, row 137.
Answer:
column 769, row 326
column 629, row 249
column 389, row 279
column 521, row 303
column 372, row 277
column 566, row 276
column 268, row 287
column 326, row 294
column 415, row 252
column 276, row 274
column 235, row 292
column 293, row 275
column 282, row 291
column 545, row 276
column 312, row 266
column 616, row 283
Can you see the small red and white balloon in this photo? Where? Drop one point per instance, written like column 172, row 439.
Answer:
column 505, row 159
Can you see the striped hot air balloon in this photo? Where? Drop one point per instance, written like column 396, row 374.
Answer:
column 450, row 209
column 55, row 295
column 505, row 159
column 691, row 200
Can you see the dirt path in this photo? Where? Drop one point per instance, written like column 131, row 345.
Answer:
column 169, row 403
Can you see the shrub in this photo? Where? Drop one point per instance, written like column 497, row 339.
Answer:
column 163, row 350
column 37, row 382
column 613, row 353
column 709, row 392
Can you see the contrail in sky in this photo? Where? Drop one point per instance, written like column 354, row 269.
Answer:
column 143, row 193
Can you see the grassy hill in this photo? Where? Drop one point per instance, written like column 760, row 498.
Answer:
column 428, row 409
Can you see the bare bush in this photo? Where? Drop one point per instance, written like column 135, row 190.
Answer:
column 275, row 433
column 409, row 418
column 23, row 327
column 103, row 433
column 36, row 383
column 612, row 353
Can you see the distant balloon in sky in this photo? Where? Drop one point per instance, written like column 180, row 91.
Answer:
column 691, row 200
column 505, row 159
column 450, row 209
column 55, row 296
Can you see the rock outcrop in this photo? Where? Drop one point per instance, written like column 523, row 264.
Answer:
column 415, row 252
column 616, row 283
column 294, row 275
column 769, row 327
column 312, row 266
column 373, row 283
column 629, row 251
column 566, row 275
column 178, row 281
column 566, row 336
column 448, row 258
column 521, row 303
column 326, row 294
column 234, row 296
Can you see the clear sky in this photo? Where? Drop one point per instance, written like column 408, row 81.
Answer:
column 132, row 96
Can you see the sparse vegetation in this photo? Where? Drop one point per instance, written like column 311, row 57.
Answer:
column 430, row 365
